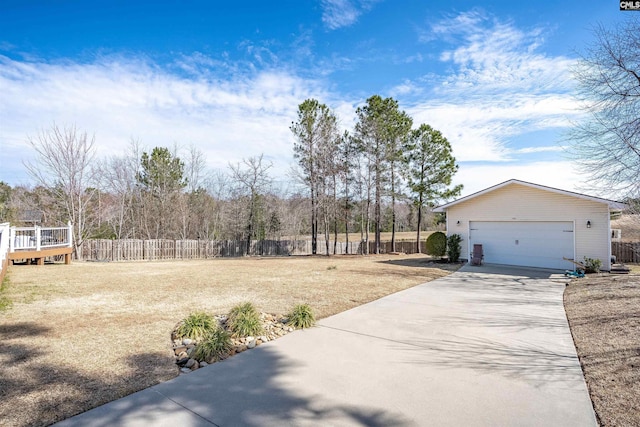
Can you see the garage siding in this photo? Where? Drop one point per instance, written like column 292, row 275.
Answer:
column 516, row 202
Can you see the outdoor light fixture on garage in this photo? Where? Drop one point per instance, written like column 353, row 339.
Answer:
column 588, row 224
column 458, row 223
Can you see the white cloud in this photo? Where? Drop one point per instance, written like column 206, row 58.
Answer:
column 558, row 174
column 492, row 57
column 343, row 13
column 500, row 87
column 499, row 90
column 543, row 149
column 119, row 99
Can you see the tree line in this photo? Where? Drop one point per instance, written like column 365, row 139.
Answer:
column 384, row 160
column 383, row 176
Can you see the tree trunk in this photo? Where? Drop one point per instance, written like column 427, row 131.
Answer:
column 250, row 227
column 314, row 223
column 419, row 224
column 346, row 221
column 377, row 214
column 335, row 214
column 393, row 210
column 327, row 240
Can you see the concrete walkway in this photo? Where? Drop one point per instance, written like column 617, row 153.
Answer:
column 486, row 346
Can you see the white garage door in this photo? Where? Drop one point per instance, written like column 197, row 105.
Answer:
column 533, row 244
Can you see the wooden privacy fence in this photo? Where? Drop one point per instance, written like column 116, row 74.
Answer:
column 150, row 250
column 406, row 246
column 162, row 249
column 626, row 251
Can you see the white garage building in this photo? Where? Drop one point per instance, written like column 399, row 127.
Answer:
column 525, row 224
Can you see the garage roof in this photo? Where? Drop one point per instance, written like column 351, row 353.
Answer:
column 613, row 205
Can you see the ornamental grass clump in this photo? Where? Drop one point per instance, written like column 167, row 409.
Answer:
column 244, row 320
column 196, row 326
column 214, row 347
column 301, row 316
column 592, row 265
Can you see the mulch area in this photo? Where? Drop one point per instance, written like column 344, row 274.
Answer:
column 604, row 315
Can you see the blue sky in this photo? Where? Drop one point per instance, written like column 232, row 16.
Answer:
column 493, row 76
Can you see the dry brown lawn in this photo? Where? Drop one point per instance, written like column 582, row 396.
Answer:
column 604, row 314
column 81, row 335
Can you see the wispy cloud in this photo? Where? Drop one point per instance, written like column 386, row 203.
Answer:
column 343, row 13
column 543, row 149
column 123, row 98
column 499, row 86
column 495, row 57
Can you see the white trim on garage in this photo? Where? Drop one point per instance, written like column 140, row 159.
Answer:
column 541, row 244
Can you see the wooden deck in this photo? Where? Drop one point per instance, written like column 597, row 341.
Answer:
column 38, row 256
column 33, row 244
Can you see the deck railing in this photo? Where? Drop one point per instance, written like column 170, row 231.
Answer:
column 39, row 238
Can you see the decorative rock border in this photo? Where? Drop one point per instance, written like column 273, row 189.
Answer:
column 273, row 325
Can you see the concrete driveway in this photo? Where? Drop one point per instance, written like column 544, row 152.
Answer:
column 486, row 346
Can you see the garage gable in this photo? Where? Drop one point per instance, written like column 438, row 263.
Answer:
column 520, row 223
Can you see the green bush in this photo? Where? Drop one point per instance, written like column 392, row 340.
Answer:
column 244, row 320
column 196, row 326
column 592, row 265
column 437, row 244
column 453, row 247
column 217, row 345
column 301, row 316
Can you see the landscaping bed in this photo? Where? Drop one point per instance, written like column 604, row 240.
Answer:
column 604, row 315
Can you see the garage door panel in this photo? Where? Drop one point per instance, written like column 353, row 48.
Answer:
column 531, row 243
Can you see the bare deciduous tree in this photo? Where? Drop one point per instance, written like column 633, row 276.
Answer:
column 253, row 181
column 63, row 164
column 607, row 142
column 118, row 178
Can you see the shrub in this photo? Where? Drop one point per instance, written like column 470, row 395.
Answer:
column 196, row 326
column 592, row 265
column 453, row 247
column 301, row 316
column 217, row 345
column 244, row 320
column 437, row 244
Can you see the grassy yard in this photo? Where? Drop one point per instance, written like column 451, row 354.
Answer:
column 81, row 335
column 74, row 337
column 604, row 314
